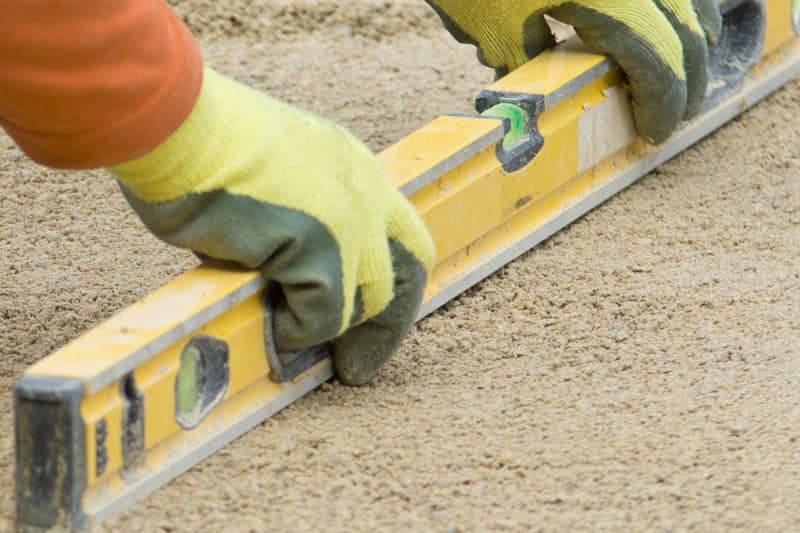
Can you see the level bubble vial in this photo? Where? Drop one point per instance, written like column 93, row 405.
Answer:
column 201, row 381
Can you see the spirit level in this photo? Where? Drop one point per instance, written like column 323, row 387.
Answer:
column 144, row 396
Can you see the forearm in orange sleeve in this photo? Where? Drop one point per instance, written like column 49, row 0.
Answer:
column 87, row 84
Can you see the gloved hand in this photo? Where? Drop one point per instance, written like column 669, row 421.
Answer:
column 249, row 179
column 660, row 44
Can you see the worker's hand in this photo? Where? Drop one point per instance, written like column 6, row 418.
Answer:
column 253, row 180
column 660, row 44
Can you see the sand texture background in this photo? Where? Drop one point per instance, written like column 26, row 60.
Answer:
column 639, row 370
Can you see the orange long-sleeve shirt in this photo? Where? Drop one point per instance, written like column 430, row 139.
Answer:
column 91, row 83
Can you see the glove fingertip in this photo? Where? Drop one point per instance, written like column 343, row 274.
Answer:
column 362, row 350
column 656, row 119
column 538, row 36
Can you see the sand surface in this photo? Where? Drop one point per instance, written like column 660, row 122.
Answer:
column 640, row 370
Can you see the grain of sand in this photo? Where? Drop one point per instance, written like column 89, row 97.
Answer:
column 639, row 370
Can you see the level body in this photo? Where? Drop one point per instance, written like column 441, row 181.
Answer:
column 147, row 394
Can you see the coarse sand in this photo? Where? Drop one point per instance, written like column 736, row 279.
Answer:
column 639, row 371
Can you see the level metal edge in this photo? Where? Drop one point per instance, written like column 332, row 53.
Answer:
column 455, row 160
column 572, row 87
column 172, row 336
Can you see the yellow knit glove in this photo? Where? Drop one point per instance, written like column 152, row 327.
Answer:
column 661, row 44
column 250, row 179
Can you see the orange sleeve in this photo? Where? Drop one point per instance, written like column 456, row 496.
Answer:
column 92, row 83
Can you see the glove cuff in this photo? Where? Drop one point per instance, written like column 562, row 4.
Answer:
column 193, row 157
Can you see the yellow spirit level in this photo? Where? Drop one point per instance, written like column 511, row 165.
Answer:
column 144, row 396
